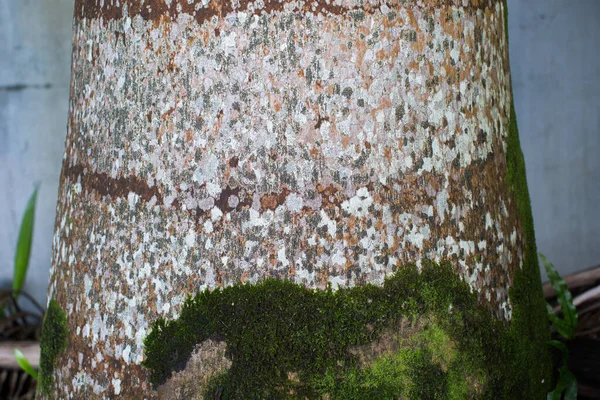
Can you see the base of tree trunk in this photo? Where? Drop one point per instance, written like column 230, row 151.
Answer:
column 423, row 335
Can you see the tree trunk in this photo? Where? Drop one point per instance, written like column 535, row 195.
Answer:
column 337, row 184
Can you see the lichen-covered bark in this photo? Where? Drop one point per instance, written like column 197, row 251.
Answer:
column 322, row 142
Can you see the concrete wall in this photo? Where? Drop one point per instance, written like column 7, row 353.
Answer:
column 557, row 93
column 35, row 56
column 555, row 67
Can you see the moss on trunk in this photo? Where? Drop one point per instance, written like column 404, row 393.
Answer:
column 423, row 335
column 53, row 341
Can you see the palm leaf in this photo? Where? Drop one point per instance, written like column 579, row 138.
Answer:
column 567, row 325
column 24, row 364
column 24, row 245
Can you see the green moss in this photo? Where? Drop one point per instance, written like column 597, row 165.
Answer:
column 424, row 367
column 530, row 328
column 277, row 328
column 53, row 341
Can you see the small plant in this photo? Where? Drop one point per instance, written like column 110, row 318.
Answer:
column 24, row 364
column 565, row 327
column 24, row 245
column 15, row 322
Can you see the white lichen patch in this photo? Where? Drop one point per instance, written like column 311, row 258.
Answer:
column 294, row 203
column 359, row 204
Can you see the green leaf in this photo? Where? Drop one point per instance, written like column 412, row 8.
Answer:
column 562, row 326
column 24, row 364
column 570, row 386
column 567, row 383
column 556, row 394
column 560, row 346
column 566, row 326
column 24, row 244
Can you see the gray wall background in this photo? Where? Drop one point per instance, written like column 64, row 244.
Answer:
column 35, row 68
column 556, row 81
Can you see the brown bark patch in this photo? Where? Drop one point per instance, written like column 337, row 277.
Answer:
column 105, row 185
column 207, row 361
column 388, row 342
column 154, row 10
column 273, row 200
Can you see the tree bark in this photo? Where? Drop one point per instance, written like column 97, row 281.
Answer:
column 330, row 144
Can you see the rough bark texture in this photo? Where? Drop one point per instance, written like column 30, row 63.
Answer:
column 320, row 142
